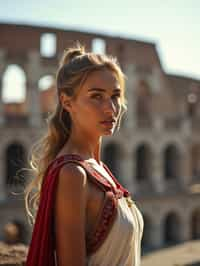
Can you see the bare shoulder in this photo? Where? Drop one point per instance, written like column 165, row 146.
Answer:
column 73, row 170
column 71, row 193
column 72, row 177
column 70, row 213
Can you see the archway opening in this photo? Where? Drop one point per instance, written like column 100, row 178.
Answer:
column 143, row 159
column 195, row 224
column 195, row 162
column 147, row 235
column 14, row 85
column 144, row 105
column 15, row 161
column 171, row 162
column 112, row 157
column 172, row 229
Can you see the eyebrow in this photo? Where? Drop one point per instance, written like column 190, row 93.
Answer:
column 102, row 90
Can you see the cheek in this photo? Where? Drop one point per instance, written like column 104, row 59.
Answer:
column 88, row 106
column 94, row 104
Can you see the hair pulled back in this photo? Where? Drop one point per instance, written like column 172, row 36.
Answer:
column 74, row 67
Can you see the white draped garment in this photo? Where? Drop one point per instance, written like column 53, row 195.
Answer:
column 122, row 246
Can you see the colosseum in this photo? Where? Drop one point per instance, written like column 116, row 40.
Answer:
column 156, row 153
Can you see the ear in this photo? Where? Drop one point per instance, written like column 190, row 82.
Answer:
column 65, row 101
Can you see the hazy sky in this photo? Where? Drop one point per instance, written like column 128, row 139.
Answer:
column 174, row 25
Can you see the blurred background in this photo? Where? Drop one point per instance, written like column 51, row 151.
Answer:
column 156, row 153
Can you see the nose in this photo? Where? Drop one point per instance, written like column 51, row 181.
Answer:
column 110, row 107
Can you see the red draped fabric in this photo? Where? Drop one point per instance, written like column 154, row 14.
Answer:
column 41, row 248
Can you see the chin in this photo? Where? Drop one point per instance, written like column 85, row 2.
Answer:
column 108, row 132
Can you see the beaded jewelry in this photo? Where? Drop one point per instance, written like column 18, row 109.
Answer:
column 129, row 201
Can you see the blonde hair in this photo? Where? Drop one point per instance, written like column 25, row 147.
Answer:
column 75, row 66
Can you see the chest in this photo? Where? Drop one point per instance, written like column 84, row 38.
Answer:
column 96, row 197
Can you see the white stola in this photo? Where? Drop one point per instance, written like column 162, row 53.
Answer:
column 122, row 246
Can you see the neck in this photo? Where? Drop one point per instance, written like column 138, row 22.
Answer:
column 87, row 146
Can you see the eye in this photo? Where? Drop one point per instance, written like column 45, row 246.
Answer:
column 116, row 96
column 97, row 96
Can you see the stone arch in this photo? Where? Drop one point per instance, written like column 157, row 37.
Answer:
column 112, row 156
column 15, row 232
column 143, row 104
column 171, row 162
column 14, row 84
column 143, row 162
column 195, row 224
column 171, row 226
column 15, row 155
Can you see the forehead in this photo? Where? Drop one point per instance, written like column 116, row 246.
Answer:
column 102, row 79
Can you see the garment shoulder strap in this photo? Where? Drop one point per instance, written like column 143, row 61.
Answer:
column 94, row 176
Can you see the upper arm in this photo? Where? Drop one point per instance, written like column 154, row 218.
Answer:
column 70, row 209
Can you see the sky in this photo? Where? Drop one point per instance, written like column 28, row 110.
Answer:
column 174, row 25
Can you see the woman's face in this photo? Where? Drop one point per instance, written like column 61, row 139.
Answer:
column 97, row 105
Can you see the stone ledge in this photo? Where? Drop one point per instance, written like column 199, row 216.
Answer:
column 185, row 254
column 13, row 255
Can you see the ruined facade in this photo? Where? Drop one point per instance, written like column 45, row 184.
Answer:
column 156, row 153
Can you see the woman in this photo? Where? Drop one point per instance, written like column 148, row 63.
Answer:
column 82, row 215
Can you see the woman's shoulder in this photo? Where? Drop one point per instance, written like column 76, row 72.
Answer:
column 71, row 191
column 72, row 174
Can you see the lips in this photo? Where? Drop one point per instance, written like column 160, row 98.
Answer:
column 112, row 120
column 109, row 123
